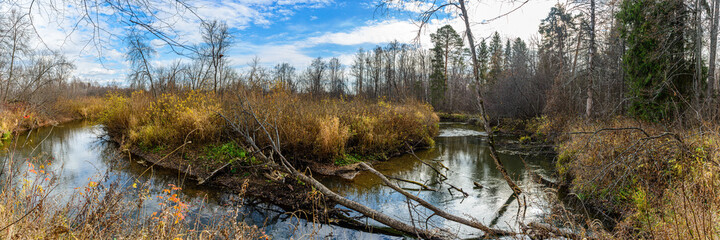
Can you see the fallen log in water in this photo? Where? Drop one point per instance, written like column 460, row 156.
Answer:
column 439, row 212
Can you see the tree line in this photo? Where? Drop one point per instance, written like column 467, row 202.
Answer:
column 651, row 59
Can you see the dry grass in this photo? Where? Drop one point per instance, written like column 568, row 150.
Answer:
column 166, row 120
column 660, row 183
column 309, row 129
column 328, row 129
column 16, row 117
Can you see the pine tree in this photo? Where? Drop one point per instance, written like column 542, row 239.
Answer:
column 656, row 68
column 448, row 47
column 483, row 61
column 496, row 58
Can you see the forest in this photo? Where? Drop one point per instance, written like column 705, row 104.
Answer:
column 605, row 120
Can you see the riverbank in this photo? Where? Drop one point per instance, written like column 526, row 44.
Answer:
column 20, row 117
column 643, row 180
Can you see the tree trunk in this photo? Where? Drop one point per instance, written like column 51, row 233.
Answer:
column 10, row 73
column 591, row 62
column 712, row 80
column 486, row 123
column 698, row 52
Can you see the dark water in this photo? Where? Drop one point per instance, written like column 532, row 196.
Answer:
column 77, row 154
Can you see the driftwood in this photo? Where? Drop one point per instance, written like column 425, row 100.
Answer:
column 545, row 228
column 427, row 164
column 423, row 186
column 201, row 181
column 457, row 189
column 369, row 212
column 436, row 210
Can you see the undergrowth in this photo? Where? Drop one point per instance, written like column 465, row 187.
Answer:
column 657, row 183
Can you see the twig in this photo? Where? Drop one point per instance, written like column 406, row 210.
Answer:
column 213, row 173
column 425, row 187
column 436, row 210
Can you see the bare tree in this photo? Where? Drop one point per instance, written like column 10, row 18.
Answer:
column 336, row 76
column 358, row 71
column 591, row 61
column 15, row 32
column 46, row 71
column 216, row 39
column 315, row 75
column 139, row 54
column 712, row 80
column 284, row 74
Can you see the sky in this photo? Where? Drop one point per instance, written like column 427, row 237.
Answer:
column 274, row 31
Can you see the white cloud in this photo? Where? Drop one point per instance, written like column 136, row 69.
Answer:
column 376, row 33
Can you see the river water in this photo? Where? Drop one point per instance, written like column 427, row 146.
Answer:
column 78, row 154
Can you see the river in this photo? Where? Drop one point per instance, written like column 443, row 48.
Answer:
column 78, row 153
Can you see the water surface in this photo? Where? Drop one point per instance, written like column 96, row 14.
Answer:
column 78, row 154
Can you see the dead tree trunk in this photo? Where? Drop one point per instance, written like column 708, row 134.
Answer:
column 436, row 210
column 481, row 104
column 591, row 62
column 712, row 80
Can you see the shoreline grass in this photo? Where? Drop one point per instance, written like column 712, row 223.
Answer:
column 19, row 117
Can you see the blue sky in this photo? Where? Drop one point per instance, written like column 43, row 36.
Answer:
column 293, row 31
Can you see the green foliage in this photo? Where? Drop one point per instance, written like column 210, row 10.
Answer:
column 227, row 152
column 483, row 54
column 6, row 136
column 496, row 58
column 347, row 159
column 448, row 48
column 656, row 69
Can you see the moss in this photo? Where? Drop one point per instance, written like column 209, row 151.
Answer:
column 347, row 159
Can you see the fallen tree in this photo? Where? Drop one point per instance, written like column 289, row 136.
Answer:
column 274, row 156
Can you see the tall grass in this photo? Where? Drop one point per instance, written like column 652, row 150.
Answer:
column 328, row 129
column 660, row 184
column 166, row 120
